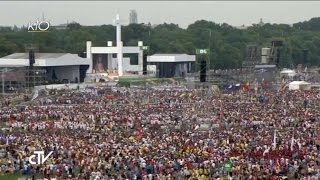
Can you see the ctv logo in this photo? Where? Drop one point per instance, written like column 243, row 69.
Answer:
column 40, row 157
column 38, row 26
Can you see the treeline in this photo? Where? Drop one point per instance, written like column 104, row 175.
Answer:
column 227, row 44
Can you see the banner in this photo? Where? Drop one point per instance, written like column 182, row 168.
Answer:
column 227, row 167
column 202, row 51
column 144, row 48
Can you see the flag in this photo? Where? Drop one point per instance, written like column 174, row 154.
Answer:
column 256, row 85
column 245, row 86
column 277, row 164
column 284, row 86
column 215, row 88
column 35, row 95
column 274, row 139
column 292, row 143
column 299, row 144
column 266, row 151
column 197, row 127
column 306, row 113
column 138, row 133
column 109, row 97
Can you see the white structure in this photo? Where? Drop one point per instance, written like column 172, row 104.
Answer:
column 241, row 27
column 169, row 65
column 288, row 72
column 64, row 65
column 119, row 46
column 120, row 64
column 265, row 55
column 171, row 58
column 299, row 85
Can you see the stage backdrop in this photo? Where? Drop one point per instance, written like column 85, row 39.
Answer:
column 100, row 63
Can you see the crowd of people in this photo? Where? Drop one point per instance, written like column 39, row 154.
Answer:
column 165, row 132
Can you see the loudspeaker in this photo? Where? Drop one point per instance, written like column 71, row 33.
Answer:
column 278, row 57
column 203, row 71
column 82, row 54
column 31, row 58
column 144, row 64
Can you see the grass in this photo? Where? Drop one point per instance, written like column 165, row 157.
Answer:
column 14, row 176
column 127, row 81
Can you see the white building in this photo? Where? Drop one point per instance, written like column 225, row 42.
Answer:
column 170, row 65
column 58, row 66
column 103, row 60
column 299, row 85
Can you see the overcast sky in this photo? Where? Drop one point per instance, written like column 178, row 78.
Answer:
column 235, row 13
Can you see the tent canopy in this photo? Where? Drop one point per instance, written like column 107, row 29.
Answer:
column 288, row 72
column 299, row 85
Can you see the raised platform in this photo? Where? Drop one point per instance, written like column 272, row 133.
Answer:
column 111, row 75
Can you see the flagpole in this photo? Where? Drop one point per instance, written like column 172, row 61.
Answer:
column 274, row 138
column 292, row 141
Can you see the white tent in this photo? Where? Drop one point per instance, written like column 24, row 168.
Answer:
column 299, row 85
column 288, row 72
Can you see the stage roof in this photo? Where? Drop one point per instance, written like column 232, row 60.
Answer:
column 171, row 58
column 43, row 60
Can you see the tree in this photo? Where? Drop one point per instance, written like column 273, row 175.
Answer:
column 227, row 44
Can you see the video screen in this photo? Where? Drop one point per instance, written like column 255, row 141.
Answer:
column 100, row 63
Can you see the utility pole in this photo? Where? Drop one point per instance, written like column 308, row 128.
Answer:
column 209, row 64
column 2, row 76
column 209, row 49
column 148, row 54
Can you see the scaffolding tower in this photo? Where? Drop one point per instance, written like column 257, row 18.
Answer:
column 253, row 56
column 275, row 54
column 34, row 75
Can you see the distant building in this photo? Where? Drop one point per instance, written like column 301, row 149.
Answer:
column 241, row 27
column 133, row 19
column 261, row 23
column 61, row 26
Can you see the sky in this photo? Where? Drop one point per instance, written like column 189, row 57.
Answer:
column 235, row 13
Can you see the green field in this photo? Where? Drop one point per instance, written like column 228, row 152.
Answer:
column 135, row 81
column 13, row 177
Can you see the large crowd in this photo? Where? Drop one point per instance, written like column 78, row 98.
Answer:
column 165, row 132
